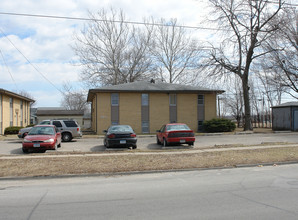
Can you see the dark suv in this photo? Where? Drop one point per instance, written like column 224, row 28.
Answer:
column 69, row 129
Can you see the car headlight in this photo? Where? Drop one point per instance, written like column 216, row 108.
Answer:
column 49, row 140
column 27, row 141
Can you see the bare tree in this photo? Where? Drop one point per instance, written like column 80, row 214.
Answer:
column 112, row 51
column 73, row 100
column 28, row 95
column 175, row 53
column 234, row 100
column 246, row 26
column 283, row 60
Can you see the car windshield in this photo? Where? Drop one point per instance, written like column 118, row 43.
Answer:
column 42, row 131
column 120, row 128
column 177, row 127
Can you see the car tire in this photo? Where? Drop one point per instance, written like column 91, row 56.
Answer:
column 190, row 144
column 157, row 141
column 134, row 147
column 59, row 145
column 165, row 143
column 25, row 151
column 66, row 137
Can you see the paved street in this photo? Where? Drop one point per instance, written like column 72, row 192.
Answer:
column 242, row 193
column 149, row 143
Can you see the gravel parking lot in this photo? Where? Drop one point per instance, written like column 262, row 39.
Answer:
column 95, row 144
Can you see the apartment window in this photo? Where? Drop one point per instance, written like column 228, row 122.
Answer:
column 173, row 100
column 145, row 127
column 114, row 108
column 173, row 108
column 145, row 99
column 115, row 99
column 201, row 112
column 11, row 111
column 200, row 99
column 21, row 105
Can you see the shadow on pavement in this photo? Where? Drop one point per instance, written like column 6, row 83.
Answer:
column 170, row 147
column 17, row 151
column 103, row 148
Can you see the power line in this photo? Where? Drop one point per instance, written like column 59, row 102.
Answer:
column 103, row 20
column 8, row 70
column 30, row 62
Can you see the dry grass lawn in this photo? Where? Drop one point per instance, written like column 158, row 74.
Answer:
column 92, row 164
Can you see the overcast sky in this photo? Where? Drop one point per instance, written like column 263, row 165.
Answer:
column 36, row 54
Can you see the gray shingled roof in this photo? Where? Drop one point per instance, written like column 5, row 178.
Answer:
column 58, row 112
column 9, row 93
column 287, row 104
column 143, row 86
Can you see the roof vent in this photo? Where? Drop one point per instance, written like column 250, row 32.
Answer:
column 152, row 81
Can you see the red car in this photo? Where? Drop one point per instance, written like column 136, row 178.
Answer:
column 175, row 133
column 41, row 138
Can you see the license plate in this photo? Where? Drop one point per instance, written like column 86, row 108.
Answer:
column 122, row 141
column 182, row 141
column 36, row 145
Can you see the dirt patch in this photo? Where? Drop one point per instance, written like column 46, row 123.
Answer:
column 92, row 164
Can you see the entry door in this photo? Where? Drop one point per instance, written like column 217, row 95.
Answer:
column 296, row 120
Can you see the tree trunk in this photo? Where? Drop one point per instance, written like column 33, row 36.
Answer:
column 247, row 121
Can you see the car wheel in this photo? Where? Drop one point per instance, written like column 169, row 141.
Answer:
column 190, row 144
column 157, row 141
column 25, row 151
column 66, row 137
column 59, row 145
column 165, row 143
column 134, row 147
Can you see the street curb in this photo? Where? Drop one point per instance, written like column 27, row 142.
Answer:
column 145, row 172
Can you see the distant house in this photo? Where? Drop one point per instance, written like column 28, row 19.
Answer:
column 45, row 113
column 14, row 110
column 146, row 106
column 285, row 116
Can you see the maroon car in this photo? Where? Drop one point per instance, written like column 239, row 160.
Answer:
column 175, row 133
column 41, row 138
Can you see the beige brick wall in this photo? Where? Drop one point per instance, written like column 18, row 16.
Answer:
column 187, row 110
column 16, row 112
column 210, row 106
column 158, row 110
column 103, row 111
column 130, row 110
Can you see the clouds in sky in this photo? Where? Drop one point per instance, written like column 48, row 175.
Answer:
column 46, row 42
